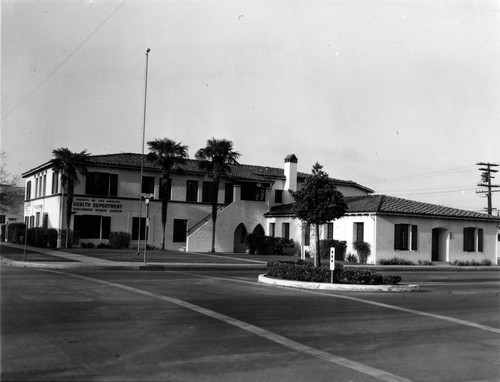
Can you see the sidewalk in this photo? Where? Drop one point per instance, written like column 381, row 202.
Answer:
column 78, row 261
column 185, row 260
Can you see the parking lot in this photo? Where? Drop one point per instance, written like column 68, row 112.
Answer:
column 222, row 325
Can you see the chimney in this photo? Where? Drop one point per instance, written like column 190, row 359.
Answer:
column 291, row 172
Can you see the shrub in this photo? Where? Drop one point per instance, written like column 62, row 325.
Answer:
column 424, row 262
column 484, row 262
column 119, row 240
column 364, row 249
column 395, row 261
column 267, row 245
column 42, row 237
column 16, row 230
column 88, row 245
column 74, row 237
column 352, row 258
column 340, row 248
column 305, row 271
column 103, row 246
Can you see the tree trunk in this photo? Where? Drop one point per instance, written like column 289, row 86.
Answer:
column 69, row 212
column 164, row 206
column 317, row 258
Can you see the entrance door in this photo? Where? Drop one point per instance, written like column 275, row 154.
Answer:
column 435, row 245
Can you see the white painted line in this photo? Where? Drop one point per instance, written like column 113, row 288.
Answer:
column 343, row 362
column 393, row 307
column 229, row 258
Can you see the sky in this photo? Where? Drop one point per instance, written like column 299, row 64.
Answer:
column 399, row 96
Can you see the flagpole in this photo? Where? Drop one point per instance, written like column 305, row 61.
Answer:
column 142, row 156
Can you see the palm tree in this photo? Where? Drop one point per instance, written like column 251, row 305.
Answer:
column 215, row 159
column 168, row 155
column 69, row 164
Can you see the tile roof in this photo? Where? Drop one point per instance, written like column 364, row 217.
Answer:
column 389, row 205
column 240, row 171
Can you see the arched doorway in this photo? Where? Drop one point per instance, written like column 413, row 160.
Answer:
column 259, row 230
column 239, row 239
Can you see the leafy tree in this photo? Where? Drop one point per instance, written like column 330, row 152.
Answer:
column 168, row 155
column 215, row 160
column 318, row 202
column 11, row 195
column 69, row 165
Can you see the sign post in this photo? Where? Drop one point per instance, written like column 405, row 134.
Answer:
column 332, row 262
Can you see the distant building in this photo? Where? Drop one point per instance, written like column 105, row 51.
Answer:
column 251, row 199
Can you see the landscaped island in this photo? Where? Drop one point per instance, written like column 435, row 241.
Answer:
column 301, row 270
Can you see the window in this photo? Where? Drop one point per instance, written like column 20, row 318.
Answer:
column 278, row 196
column 101, row 184
column 37, row 219
column 45, row 221
column 180, row 229
column 55, row 182
column 192, row 191
column 307, row 238
column 93, row 226
column 253, row 191
column 44, row 186
column 272, row 229
column 329, row 231
column 135, row 228
column 207, row 192
column 148, row 185
column 470, row 235
column 359, row 232
column 28, row 190
column 32, row 221
column 405, row 237
column 2, row 219
column 228, row 194
column 36, row 188
column 285, row 230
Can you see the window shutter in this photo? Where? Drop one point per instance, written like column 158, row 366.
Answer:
column 397, row 235
column 466, row 236
column 414, row 237
column 480, row 240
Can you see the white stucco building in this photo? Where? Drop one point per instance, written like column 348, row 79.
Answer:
column 251, row 199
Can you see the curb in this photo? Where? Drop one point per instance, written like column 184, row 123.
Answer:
column 338, row 287
column 132, row 266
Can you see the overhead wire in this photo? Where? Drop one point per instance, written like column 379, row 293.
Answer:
column 63, row 62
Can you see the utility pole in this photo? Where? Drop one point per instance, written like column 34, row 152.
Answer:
column 486, row 176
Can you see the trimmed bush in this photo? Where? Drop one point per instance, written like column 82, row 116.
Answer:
column 395, row 261
column 339, row 245
column 465, row 263
column 42, row 237
column 87, row 245
column 267, row 245
column 15, row 231
column 305, row 271
column 119, row 240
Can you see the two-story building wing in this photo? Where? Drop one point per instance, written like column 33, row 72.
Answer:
column 108, row 199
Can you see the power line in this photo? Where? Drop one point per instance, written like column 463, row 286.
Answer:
column 450, row 171
column 62, row 63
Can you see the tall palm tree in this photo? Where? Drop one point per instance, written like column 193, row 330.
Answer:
column 69, row 164
column 168, row 155
column 215, row 160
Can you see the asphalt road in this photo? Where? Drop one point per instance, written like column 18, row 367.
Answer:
column 223, row 326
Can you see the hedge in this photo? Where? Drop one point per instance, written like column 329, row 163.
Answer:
column 267, row 245
column 305, row 271
column 119, row 240
column 15, row 231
